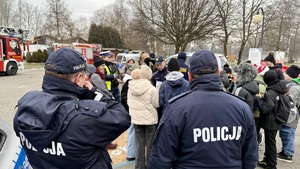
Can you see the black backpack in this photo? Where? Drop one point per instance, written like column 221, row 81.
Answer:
column 283, row 107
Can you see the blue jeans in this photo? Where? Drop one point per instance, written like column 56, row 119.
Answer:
column 287, row 135
column 130, row 142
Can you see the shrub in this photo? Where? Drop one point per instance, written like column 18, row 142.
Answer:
column 34, row 57
column 29, row 57
column 45, row 55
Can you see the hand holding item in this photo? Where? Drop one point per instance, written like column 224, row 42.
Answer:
column 88, row 85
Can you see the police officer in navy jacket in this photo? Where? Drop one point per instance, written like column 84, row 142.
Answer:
column 160, row 75
column 184, row 68
column 67, row 125
column 205, row 127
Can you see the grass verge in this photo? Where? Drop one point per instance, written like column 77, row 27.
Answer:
column 33, row 65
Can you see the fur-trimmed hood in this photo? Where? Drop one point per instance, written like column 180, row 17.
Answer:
column 245, row 73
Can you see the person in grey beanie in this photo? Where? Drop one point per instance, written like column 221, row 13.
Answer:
column 287, row 131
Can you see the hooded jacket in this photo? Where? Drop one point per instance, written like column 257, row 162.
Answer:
column 268, row 103
column 247, row 88
column 173, row 86
column 294, row 93
column 248, row 92
column 142, row 102
column 63, row 127
column 199, row 130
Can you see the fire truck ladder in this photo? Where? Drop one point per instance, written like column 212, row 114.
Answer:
column 8, row 31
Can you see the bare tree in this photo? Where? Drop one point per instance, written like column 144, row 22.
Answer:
column 282, row 25
column 175, row 21
column 226, row 10
column 58, row 17
column 115, row 15
column 6, row 12
column 293, row 46
column 81, row 27
column 244, row 16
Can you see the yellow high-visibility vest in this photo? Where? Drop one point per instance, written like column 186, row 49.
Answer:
column 108, row 82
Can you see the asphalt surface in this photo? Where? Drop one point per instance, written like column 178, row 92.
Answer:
column 12, row 88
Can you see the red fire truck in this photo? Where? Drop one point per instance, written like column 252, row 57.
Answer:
column 11, row 43
column 87, row 50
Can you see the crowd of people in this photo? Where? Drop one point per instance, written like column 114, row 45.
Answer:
column 200, row 115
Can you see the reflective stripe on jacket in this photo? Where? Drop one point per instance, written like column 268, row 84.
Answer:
column 108, row 82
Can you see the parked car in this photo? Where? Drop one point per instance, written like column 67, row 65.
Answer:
column 189, row 55
column 12, row 155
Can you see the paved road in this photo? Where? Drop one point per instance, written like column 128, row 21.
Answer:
column 12, row 88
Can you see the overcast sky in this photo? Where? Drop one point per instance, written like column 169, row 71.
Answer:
column 79, row 8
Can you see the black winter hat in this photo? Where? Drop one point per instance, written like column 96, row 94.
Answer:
column 228, row 70
column 98, row 61
column 226, row 65
column 293, row 71
column 173, row 65
column 270, row 76
column 270, row 58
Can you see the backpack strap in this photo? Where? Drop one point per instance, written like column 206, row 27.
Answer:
column 274, row 95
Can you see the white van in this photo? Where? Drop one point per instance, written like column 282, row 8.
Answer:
column 122, row 58
column 12, row 155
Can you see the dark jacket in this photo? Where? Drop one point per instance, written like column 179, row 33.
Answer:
column 294, row 93
column 173, row 86
column 224, row 79
column 205, row 128
column 278, row 70
column 248, row 92
column 124, row 93
column 114, row 73
column 184, row 68
column 159, row 76
column 267, row 106
column 63, row 127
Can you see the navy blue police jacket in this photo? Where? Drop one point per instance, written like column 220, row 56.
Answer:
column 62, row 127
column 159, row 75
column 205, row 128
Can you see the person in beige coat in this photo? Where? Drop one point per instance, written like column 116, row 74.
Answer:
column 142, row 102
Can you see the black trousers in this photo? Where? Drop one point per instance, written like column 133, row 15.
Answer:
column 257, row 129
column 270, row 148
column 143, row 140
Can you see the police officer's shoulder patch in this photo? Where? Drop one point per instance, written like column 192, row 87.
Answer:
column 178, row 96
